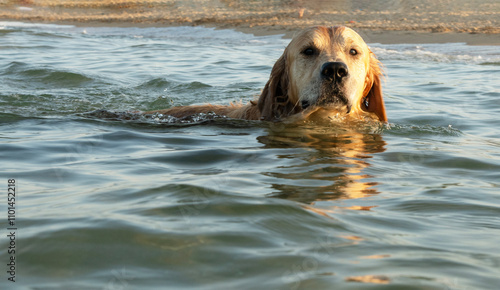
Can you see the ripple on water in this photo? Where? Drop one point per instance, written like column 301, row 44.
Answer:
column 422, row 130
column 45, row 78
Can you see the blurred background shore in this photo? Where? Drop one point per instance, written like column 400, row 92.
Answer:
column 383, row 21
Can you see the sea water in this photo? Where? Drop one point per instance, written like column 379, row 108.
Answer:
column 108, row 199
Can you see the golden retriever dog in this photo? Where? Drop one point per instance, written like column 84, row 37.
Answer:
column 325, row 70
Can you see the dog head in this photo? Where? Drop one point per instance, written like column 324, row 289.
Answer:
column 330, row 68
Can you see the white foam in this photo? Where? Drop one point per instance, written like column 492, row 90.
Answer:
column 42, row 26
column 196, row 34
column 445, row 53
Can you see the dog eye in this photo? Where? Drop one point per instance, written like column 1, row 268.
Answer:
column 353, row 51
column 309, row 51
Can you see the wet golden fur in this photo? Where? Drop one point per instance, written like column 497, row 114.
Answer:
column 296, row 87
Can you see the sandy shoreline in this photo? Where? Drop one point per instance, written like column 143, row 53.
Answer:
column 381, row 21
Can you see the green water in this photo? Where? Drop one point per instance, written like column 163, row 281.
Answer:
column 107, row 199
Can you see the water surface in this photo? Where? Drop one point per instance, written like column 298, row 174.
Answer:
column 112, row 200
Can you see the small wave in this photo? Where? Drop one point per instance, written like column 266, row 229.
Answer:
column 162, row 83
column 18, row 24
column 156, row 83
column 311, row 127
column 14, row 67
column 67, row 79
column 155, row 119
column 491, row 63
column 444, row 53
column 47, row 77
column 167, row 92
column 196, row 34
column 422, row 130
column 192, row 119
column 40, row 29
column 114, row 116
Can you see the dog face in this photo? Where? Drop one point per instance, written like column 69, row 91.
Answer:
column 330, row 68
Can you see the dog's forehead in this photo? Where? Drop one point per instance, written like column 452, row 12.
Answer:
column 324, row 37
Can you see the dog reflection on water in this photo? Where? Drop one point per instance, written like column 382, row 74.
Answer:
column 334, row 160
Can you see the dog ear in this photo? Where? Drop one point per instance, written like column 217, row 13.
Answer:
column 274, row 102
column 372, row 100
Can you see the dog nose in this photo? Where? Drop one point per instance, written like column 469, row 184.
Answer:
column 334, row 71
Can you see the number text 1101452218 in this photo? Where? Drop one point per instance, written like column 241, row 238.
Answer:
column 11, row 229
